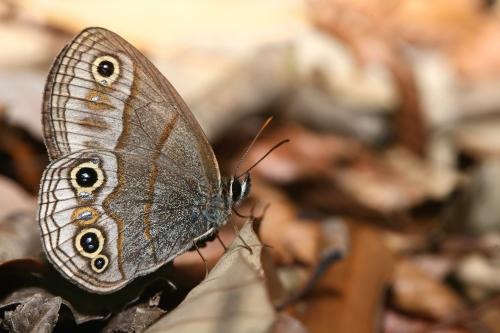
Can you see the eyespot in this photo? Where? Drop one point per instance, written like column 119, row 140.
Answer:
column 86, row 178
column 99, row 263
column 89, row 242
column 105, row 69
column 85, row 215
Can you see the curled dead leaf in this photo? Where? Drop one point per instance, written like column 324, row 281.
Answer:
column 290, row 238
column 232, row 298
column 39, row 313
column 413, row 288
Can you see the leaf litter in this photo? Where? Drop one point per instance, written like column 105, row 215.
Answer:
column 380, row 215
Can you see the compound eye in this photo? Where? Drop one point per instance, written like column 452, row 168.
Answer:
column 236, row 190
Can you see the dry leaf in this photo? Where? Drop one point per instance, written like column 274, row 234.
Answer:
column 475, row 211
column 288, row 324
column 350, row 295
column 134, row 319
column 38, row 314
column 395, row 322
column 24, row 296
column 13, row 198
column 233, row 297
column 490, row 317
column 290, row 238
column 19, row 235
column 479, row 275
column 189, row 268
column 308, row 155
column 413, row 287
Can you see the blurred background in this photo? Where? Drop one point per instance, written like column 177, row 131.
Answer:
column 393, row 112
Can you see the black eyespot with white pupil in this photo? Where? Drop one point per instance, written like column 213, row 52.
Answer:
column 86, row 177
column 89, row 242
column 99, row 263
column 106, row 68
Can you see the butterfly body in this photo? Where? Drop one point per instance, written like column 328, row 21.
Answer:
column 133, row 181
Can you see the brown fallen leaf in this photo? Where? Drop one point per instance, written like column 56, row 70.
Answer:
column 19, row 235
column 490, row 317
column 307, row 155
column 13, row 198
column 190, row 268
column 292, row 239
column 350, row 295
column 23, row 156
column 395, row 322
column 298, row 281
column 38, row 314
column 24, row 296
column 367, row 35
column 436, row 266
column 233, row 297
column 479, row 275
column 351, row 178
column 397, row 181
column 475, row 211
column 403, row 243
column 25, row 278
column 288, row 324
column 477, row 56
column 412, row 291
column 134, row 319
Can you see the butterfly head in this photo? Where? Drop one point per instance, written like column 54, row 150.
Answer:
column 239, row 187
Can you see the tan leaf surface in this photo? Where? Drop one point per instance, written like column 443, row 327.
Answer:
column 233, row 297
column 413, row 288
column 39, row 314
column 349, row 296
column 19, row 236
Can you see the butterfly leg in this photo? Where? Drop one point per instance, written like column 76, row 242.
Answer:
column 237, row 232
column 221, row 242
column 202, row 257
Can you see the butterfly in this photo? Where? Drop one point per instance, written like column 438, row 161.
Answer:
column 133, row 181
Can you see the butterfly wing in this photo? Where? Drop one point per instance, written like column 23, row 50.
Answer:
column 160, row 185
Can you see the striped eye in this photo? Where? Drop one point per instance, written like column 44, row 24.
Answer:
column 89, row 242
column 105, row 70
column 99, row 263
column 86, row 178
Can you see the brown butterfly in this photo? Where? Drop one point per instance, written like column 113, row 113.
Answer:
column 133, row 181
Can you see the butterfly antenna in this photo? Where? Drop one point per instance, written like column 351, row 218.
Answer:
column 242, row 158
column 263, row 157
column 237, row 231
